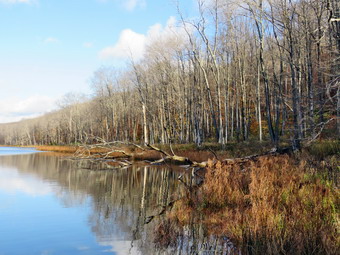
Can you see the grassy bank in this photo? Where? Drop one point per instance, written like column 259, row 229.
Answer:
column 198, row 154
column 57, row 148
column 274, row 205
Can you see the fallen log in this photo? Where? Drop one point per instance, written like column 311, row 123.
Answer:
column 111, row 147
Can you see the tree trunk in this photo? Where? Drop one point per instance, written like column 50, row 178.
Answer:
column 146, row 134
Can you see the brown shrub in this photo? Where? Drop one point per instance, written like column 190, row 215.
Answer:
column 270, row 206
column 224, row 185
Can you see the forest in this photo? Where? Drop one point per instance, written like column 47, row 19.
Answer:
column 239, row 71
column 242, row 76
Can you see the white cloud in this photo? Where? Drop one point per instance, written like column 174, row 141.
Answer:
column 51, row 40
column 133, row 44
column 129, row 44
column 15, row 109
column 16, row 1
column 87, row 44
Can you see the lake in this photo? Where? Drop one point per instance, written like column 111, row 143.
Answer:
column 50, row 204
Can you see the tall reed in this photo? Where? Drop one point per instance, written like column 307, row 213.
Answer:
column 269, row 206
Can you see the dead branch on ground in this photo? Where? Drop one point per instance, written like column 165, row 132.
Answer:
column 108, row 148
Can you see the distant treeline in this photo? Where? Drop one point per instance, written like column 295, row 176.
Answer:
column 252, row 69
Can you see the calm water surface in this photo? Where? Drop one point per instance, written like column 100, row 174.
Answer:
column 50, row 205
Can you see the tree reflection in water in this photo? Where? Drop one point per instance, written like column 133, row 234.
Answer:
column 121, row 199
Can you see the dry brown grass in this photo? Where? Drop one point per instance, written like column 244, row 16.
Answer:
column 148, row 155
column 271, row 206
column 62, row 149
column 190, row 151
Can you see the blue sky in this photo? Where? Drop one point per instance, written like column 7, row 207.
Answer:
column 51, row 47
